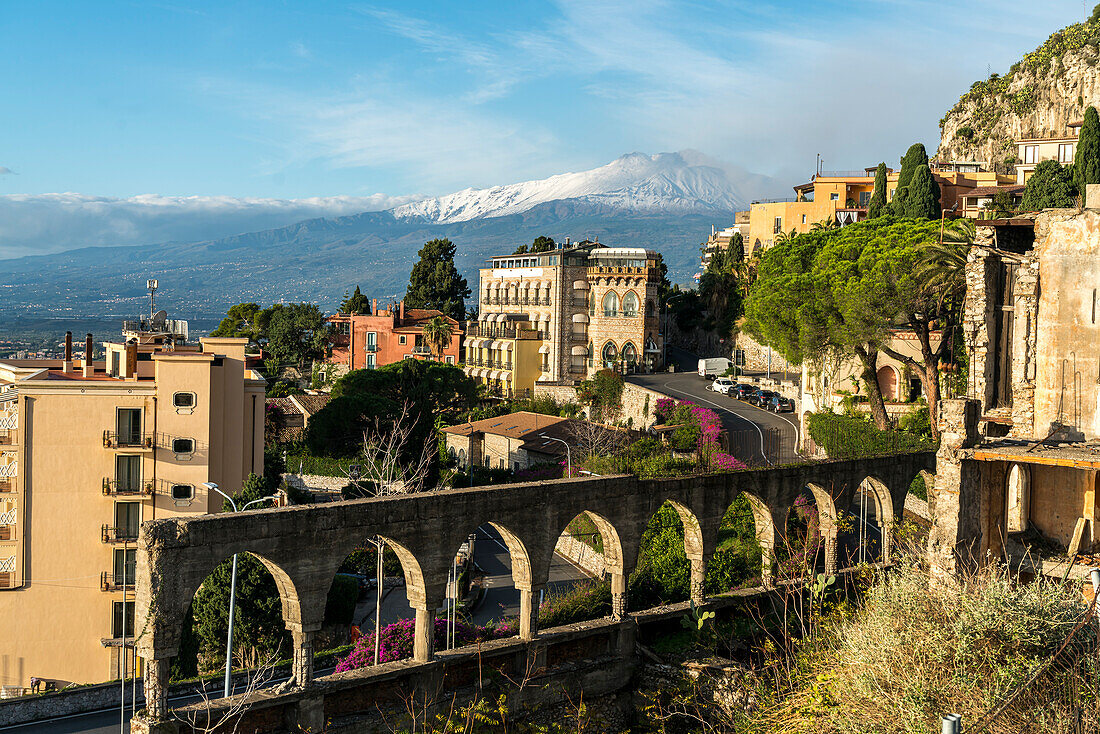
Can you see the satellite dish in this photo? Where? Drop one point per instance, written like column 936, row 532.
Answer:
column 159, row 318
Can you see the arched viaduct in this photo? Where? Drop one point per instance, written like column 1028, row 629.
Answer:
column 303, row 546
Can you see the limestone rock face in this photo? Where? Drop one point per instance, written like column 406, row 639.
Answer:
column 1038, row 98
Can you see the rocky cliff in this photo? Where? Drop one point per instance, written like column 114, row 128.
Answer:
column 1039, row 96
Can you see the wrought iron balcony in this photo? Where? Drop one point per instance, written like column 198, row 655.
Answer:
column 124, row 487
column 111, row 581
column 113, row 534
column 127, row 440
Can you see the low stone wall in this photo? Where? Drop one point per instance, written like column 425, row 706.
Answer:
column 316, row 482
column 756, row 356
column 639, row 403
column 582, row 555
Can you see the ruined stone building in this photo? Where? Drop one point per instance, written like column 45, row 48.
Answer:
column 1018, row 464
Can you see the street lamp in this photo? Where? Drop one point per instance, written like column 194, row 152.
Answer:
column 232, row 587
column 568, row 452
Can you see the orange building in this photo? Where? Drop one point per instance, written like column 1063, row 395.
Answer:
column 369, row 341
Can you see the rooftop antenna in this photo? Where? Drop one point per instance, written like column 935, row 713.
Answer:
column 152, row 286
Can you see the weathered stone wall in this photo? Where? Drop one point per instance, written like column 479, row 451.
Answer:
column 582, row 555
column 639, row 403
column 756, row 356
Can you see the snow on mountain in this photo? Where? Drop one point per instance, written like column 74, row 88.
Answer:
column 665, row 182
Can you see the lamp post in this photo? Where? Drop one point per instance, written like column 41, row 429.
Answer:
column 568, row 452
column 232, row 588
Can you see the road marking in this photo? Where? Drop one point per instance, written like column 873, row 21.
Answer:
column 763, row 455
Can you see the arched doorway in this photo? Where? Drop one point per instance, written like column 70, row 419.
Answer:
column 888, row 382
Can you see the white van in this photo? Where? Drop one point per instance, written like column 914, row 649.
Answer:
column 713, row 366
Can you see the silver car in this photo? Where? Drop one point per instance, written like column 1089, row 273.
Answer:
column 722, row 385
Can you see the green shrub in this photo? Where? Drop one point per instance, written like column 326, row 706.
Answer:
column 853, row 437
column 581, row 602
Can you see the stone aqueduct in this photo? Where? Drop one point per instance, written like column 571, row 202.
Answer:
column 303, row 546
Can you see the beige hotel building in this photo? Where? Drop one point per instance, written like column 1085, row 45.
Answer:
column 560, row 316
column 90, row 449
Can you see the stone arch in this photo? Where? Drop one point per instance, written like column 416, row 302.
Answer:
column 827, row 524
column 630, row 353
column 609, row 353
column 765, row 536
column 614, row 558
column 883, row 504
column 889, row 382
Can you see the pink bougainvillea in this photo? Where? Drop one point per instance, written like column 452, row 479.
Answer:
column 397, row 641
column 709, row 426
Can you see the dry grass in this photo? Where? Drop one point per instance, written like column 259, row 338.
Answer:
column 912, row 653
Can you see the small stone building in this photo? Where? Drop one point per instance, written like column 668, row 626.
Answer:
column 1019, row 464
column 514, row 441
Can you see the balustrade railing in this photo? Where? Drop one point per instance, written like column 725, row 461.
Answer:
column 127, row 440
column 111, row 581
column 114, row 534
column 119, row 487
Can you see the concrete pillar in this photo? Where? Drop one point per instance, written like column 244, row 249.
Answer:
column 424, row 635
column 303, row 657
column 620, row 596
column 529, row 613
column 155, row 684
column 698, row 577
column 829, row 537
column 887, row 542
column 767, row 565
column 955, row 541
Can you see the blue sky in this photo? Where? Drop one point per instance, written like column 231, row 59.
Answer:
column 292, row 100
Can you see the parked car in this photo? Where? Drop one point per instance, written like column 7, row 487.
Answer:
column 760, row 398
column 742, row 392
column 722, row 385
column 713, row 366
column 780, row 404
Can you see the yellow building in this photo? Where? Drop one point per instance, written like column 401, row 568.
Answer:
column 90, row 449
column 1030, row 152
column 843, row 197
column 562, row 315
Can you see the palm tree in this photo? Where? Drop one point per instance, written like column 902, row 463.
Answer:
column 785, row 236
column 438, row 332
column 824, row 224
column 942, row 266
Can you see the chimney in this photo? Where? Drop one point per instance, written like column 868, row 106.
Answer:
column 401, row 315
column 68, row 352
column 89, row 368
column 131, row 359
column 567, row 242
column 374, row 306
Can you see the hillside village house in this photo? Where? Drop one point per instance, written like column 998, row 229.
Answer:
column 844, row 196
column 367, row 341
column 1030, row 152
column 1029, row 462
column 719, row 239
column 561, row 316
column 515, row 441
column 100, row 446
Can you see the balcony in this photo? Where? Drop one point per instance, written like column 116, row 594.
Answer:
column 110, row 581
column 7, row 532
column 127, row 440
column 126, row 488
column 371, row 347
column 422, row 350
column 6, row 485
column 113, row 534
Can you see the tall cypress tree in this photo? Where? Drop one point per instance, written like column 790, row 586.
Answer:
column 1086, row 162
column 878, row 198
column 735, row 253
column 435, row 281
column 923, row 199
column 915, row 156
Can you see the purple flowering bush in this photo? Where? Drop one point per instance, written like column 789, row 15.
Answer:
column 397, row 641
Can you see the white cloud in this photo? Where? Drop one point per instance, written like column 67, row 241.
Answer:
column 34, row 224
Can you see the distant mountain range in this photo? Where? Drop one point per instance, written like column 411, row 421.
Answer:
column 667, row 202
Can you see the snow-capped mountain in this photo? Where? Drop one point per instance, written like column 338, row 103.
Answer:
column 666, row 182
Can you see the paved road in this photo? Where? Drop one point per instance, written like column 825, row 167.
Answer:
column 736, row 415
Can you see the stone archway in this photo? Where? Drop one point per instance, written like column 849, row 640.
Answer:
column 889, row 382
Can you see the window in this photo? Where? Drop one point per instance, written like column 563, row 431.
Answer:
column 183, row 401
column 611, row 305
column 630, row 355
column 127, row 473
column 610, row 354
column 1031, row 154
column 183, row 492
column 372, row 341
column 122, row 620
column 778, row 226
column 125, row 566
column 370, row 362
column 803, row 218
column 1065, row 152
column 864, row 198
column 129, row 426
column 401, row 339
column 127, row 519
column 450, row 359
column 591, row 304
column 834, row 197
column 630, row 305
column 183, row 445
